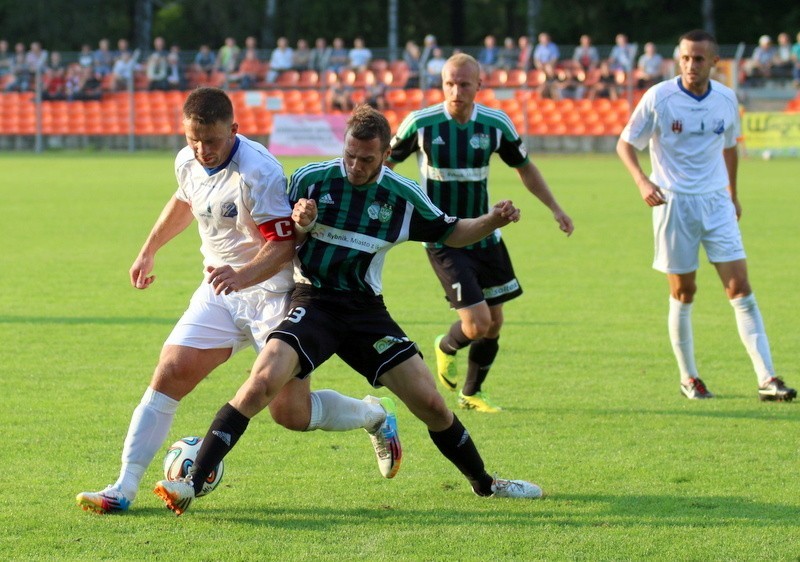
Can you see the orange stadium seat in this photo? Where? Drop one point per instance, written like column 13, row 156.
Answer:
column 516, row 78
column 288, row 79
column 308, row 79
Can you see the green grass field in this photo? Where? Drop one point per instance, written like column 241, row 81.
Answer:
column 632, row 470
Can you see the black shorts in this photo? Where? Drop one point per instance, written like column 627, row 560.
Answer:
column 354, row 326
column 472, row 276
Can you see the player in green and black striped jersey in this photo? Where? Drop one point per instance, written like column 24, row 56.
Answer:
column 454, row 142
column 349, row 212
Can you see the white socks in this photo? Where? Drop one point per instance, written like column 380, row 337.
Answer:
column 754, row 336
column 331, row 411
column 147, row 431
column 679, row 323
column 751, row 331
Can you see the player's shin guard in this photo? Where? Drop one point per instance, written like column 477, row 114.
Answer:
column 481, row 356
column 679, row 324
column 150, row 424
column 454, row 339
column 457, row 446
column 753, row 335
column 226, row 429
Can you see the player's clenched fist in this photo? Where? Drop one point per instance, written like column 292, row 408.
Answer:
column 304, row 214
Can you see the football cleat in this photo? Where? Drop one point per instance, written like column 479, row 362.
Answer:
column 445, row 366
column 478, row 402
column 696, row 389
column 106, row 501
column 385, row 438
column 515, row 489
column 177, row 494
column 775, row 390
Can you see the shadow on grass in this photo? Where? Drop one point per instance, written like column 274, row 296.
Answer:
column 569, row 510
column 74, row 320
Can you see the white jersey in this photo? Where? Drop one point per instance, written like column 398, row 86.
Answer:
column 686, row 135
column 229, row 202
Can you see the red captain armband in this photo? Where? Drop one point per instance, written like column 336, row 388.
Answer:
column 278, row 229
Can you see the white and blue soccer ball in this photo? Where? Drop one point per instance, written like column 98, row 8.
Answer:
column 180, row 458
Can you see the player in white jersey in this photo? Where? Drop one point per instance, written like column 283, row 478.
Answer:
column 236, row 190
column 691, row 125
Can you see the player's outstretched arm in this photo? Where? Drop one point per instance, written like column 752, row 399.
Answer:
column 650, row 192
column 470, row 231
column 533, row 180
column 174, row 218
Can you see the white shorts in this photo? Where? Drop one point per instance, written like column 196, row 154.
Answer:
column 686, row 221
column 229, row 321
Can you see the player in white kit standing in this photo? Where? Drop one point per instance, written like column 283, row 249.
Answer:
column 236, row 190
column 691, row 124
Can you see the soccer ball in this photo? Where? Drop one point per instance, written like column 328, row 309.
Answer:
column 180, row 458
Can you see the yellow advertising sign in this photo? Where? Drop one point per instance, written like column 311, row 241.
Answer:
column 776, row 132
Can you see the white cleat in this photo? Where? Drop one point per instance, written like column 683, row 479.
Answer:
column 515, row 489
column 177, row 494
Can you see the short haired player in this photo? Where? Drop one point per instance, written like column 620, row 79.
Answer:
column 454, row 142
column 236, row 191
column 691, row 125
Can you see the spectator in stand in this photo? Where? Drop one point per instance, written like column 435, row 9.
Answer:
column 74, row 80
column 156, row 70
column 428, row 45
column 508, row 55
column 606, row 84
column 320, row 56
column 90, row 86
column 759, row 66
column 546, row 55
column 567, row 83
column 301, row 58
column 86, row 56
column 650, row 67
column 524, row 53
column 205, row 61
column 123, row 71
column 339, row 98
column 622, row 53
column 103, row 58
column 433, row 70
column 489, row 54
column 176, row 77
column 55, row 78
column 122, row 47
column 411, row 56
column 36, row 58
column 228, row 57
column 359, row 56
column 280, row 60
column 249, row 74
column 782, row 67
column 6, row 60
column 338, row 58
column 22, row 79
column 796, row 60
column 585, row 54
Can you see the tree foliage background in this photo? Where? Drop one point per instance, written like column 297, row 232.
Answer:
column 67, row 24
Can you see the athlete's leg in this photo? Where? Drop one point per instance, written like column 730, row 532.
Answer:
column 413, row 384
column 179, row 370
column 297, row 408
column 748, row 317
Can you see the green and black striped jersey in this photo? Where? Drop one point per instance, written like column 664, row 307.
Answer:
column 453, row 158
column 357, row 225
